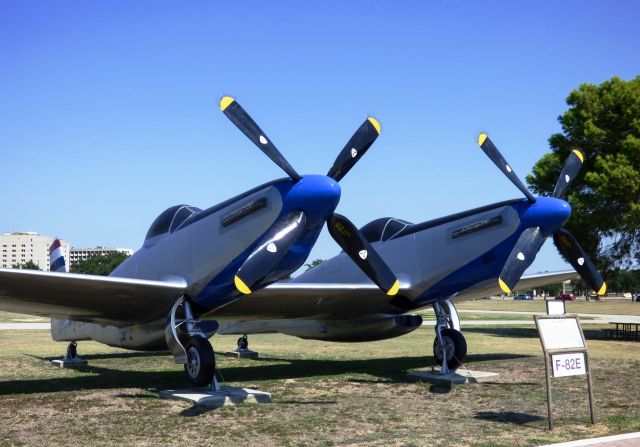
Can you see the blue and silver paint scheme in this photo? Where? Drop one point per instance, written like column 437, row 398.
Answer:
column 454, row 257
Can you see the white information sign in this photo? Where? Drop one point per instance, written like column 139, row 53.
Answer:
column 563, row 365
column 556, row 307
column 560, row 333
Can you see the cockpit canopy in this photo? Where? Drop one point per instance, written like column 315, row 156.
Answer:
column 170, row 220
column 383, row 229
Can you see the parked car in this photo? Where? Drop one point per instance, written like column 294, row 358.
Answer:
column 566, row 297
column 523, row 296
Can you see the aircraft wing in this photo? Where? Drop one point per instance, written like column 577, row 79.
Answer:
column 529, row 281
column 284, row 300
column 89, row 298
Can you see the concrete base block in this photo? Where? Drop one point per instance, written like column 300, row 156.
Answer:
column 453, row 378
column 227, row 395
column 69, row 363
column 243, row 354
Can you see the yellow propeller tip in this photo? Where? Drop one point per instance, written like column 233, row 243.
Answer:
column 579, row 154
column 505, row 288
column 481, row 138
column 375, row 123
column 603, row 289
column 241, row 286
column 225, row 102
column 394, row 289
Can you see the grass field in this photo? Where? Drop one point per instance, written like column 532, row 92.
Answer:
column 611, row 307
column 324, row 394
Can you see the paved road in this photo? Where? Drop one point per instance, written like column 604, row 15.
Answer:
column 626, row 440
column 22, row 326
column 598, row 318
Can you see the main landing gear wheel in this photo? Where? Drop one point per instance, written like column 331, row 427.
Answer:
column 456, row 347
column 201, row 361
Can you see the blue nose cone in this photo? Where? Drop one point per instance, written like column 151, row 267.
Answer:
column 316, row 195
column 548, row 213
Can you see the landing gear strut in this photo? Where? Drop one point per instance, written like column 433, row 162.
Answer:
column 72, row 352
column 187, row 339
column 450, row 346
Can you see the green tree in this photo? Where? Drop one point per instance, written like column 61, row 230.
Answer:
column 603, row 121
column 29, row 265
column 99, row 264
column 314, row 263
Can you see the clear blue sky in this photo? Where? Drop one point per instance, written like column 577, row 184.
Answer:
column 108, row 109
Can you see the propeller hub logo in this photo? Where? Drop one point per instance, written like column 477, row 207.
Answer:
column 271, row 248
column 520, row 256
column 354, row 152
column 363, row 254
column 263, row 140
column 580, row 261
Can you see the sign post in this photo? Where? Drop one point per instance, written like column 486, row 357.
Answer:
column 565, row 353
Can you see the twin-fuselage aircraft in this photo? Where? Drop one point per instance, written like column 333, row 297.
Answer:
column 201, row 272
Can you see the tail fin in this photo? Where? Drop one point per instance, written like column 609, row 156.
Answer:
column 57, row 262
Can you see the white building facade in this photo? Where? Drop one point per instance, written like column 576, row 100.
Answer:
column 21, row 247
column 82, row 254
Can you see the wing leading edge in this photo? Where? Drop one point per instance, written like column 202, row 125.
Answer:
column 89, row 298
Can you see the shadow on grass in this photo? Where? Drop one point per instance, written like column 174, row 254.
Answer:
column 508, row 417
column 589, row 334
column 391, row 370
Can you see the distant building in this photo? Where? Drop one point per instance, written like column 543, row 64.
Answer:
column 21, row 247
column 82, row 254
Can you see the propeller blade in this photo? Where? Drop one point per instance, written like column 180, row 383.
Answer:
column 569, row 171
column 362, row 253
column 355, row 148
column 521, row 257
column 496, row 157
column 245, row 123
column 573, row 252
column 275, row 244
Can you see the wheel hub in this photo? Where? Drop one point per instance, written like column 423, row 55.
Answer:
column 193, row 365
column 448, row 342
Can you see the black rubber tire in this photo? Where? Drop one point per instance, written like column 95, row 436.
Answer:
column 451, row 338
column 202, row 361
column 243, row 342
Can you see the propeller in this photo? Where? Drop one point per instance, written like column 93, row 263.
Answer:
column 496, row 157
column 569, row 171
column 288, row 229
column 273, row 246
column 531, row 239
column 569, row 247
column 248, row 126
column 355, row 148
column 356, row 246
